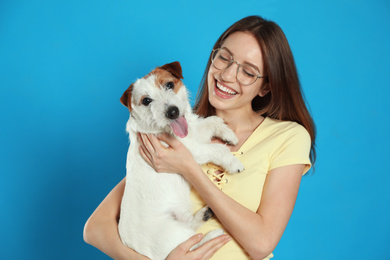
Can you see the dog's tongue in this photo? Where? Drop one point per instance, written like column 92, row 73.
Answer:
column 180, row 127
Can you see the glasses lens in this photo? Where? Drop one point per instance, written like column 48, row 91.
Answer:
column 222, row 59
column 247, row 74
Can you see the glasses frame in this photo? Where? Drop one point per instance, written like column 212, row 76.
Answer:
column 238, row 66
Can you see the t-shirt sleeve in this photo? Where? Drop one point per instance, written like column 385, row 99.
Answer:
column 293, row 148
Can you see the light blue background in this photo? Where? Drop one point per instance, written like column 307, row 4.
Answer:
column 65, row 64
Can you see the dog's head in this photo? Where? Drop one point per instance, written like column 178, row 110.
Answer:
column 158, row 102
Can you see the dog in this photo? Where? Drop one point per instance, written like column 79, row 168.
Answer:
column 156, row 211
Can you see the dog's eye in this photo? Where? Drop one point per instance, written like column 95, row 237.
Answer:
column 170, row 85
column 146, row 101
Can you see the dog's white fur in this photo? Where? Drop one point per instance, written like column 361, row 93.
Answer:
column 156, row 211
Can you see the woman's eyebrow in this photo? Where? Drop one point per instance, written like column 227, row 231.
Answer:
column 226, row 49
column 245, row 62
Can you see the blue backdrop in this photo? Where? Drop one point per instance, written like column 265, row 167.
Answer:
column 65, row 64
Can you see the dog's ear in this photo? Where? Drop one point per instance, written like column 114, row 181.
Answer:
column 126, row 97
column 174, row 68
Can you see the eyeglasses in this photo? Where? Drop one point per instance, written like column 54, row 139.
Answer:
column 246, row 74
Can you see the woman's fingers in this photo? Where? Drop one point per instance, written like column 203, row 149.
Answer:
column 165, row 153
column 144, row 151
column 152, row 151
column 204, row 252
column 168, row 139
column 145, row 155
column 148, row 142
column 189, row 243
column 152, row 142
column 181, row 252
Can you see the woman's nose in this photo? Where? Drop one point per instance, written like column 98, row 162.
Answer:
column 230, row 73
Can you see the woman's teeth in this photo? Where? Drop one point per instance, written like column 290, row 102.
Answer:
column 226, row 90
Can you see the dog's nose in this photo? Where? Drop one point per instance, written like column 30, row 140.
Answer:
column 172, row 112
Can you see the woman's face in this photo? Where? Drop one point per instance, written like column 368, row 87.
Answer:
column 225, row 91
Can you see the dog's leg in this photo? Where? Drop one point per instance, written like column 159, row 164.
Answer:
column 220, row 155
column 201, row 216
column 182, row 215
column 214, row 126
column 193, row 221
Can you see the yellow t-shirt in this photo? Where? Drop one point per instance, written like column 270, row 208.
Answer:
column 273, row 144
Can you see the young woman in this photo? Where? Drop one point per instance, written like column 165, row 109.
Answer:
column 251, row 82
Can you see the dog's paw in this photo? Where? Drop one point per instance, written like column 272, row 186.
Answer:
column 204, row 214
column 201, row 216
column 221, row 130
column 234, row 166
column 210, row 235
column 213, row 234
column 208, row 214
column 231, row 142
column 229, row 137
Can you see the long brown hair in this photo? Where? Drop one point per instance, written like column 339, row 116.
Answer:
column 285, row 100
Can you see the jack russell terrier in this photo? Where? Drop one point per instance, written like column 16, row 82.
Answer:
column 156, row 211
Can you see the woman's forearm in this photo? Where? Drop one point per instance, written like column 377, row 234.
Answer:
column 258, row 232
column 102, row 235
column 242, row 224
column 101, row 229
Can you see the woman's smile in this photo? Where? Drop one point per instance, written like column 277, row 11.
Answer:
column 224, row 91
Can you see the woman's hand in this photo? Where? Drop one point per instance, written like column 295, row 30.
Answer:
column 175, row 158
column 206, row 251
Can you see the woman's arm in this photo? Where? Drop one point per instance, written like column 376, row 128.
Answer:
column 101, row 231
column 258, row 232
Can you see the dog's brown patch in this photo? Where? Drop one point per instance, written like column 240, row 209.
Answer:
column 126, row 97
column 174, row 68
column 164, row 77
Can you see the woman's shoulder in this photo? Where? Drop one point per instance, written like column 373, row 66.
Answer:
column 276, row 126
column 290, row 144
column 277, row 132
column 281, row 131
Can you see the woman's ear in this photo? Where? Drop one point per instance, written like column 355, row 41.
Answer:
column 264, row 90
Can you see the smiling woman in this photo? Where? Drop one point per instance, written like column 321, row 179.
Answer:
column 252, row 84
column 226, row 90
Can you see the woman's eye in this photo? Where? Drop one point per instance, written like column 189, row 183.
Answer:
column 146, row 101
column 248, row 74
column 224, row 58
column 170, row 85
